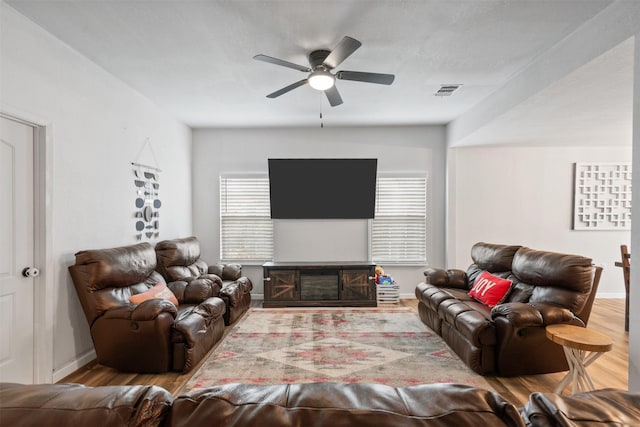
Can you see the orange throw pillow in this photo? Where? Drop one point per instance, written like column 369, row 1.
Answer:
column 160, row 290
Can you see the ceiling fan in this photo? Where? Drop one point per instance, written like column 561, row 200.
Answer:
column 322, row 63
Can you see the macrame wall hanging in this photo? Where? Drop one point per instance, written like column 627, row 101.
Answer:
column 147, row 201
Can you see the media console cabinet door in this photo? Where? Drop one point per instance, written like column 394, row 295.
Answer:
column 357, row 285
column 282, row 286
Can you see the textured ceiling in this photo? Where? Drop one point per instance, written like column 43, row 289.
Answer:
column 194, row 58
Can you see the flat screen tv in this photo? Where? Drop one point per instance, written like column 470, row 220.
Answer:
column 322, row 188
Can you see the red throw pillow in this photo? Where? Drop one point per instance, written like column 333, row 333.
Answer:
column 489, row 289
column 160, row 290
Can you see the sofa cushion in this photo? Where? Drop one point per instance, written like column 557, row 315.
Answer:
column 184, row 251
column 489, row 289
column 114, row 267
column 471, row 319
column 520, row 291
column 557, row 278
column 492, row 257
column 228, row 272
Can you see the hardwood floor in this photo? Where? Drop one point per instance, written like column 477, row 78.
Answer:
column 609, row 371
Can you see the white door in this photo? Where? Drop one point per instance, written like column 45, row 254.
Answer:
column 16, row 252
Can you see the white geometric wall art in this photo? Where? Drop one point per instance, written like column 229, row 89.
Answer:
column 602, row 196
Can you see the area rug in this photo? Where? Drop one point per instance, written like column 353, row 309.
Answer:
column 348, row 345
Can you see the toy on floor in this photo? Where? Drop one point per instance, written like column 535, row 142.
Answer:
column 381, row 278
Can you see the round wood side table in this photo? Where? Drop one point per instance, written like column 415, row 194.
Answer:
column 582, row 347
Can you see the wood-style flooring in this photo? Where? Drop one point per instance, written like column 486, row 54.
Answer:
column 610, row 370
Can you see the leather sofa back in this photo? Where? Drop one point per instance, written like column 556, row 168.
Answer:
column 494, row 258
column 106, row 278
column 309, row 405
column 553, row 278
column 353, row 405
column 180, row 258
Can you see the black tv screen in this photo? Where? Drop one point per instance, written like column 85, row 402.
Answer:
column 322, row 188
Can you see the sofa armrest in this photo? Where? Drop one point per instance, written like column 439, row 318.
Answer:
column 446, row 278
column 552, row 314
column 522, row 315
column 196, row 290
column 519, row 314
column 148, row 310
column 78, row 405
column 599, row 407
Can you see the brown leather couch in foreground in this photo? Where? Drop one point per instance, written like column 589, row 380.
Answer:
column 509, row 339
column 307, row 405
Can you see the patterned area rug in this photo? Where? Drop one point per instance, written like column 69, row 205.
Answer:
column 348, row 345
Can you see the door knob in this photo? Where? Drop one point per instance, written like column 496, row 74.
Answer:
column 30, row 272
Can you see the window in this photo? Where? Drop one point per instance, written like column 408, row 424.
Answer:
column 399, row 229
column 246, row 230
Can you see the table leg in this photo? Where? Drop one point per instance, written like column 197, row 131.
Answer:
column 580, row 380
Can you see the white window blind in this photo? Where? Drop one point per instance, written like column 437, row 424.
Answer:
column 246, row 229
column 399, row 229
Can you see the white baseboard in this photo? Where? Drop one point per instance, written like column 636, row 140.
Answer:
column 257, row 296
column 620, row 295
column 73, row 366
column 408, row 296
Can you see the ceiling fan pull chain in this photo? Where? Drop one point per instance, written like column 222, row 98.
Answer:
column 321, row 122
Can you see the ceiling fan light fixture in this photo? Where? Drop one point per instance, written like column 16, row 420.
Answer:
column 321, row 79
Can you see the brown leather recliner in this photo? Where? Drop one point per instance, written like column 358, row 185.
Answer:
column 155, row 335
column 509, row 339
column 179, row 259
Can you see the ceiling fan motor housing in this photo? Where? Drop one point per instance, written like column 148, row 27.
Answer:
column 317, row 57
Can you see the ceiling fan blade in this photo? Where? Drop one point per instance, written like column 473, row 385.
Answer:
column 281, row 62
column 287, row 89
column 333, row 96
column 358, row 76
column 341, row 52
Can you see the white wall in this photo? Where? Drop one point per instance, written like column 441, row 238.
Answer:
column 634, row 295
column 411, row 149
column 524, row 196
column 96, row 126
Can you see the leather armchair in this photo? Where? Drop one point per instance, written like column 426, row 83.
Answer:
column 155, row 335
column 179, row 259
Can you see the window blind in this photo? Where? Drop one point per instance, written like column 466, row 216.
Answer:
column 399, row 229
column 246, row 229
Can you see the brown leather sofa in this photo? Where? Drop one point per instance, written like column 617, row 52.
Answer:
column 179, row 259
column 154, row 335
column 509, row 339
column 309, row 405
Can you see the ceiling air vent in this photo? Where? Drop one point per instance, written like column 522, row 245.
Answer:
column 446, row 90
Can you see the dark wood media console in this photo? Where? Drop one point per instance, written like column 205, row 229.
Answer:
column 344, row 284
